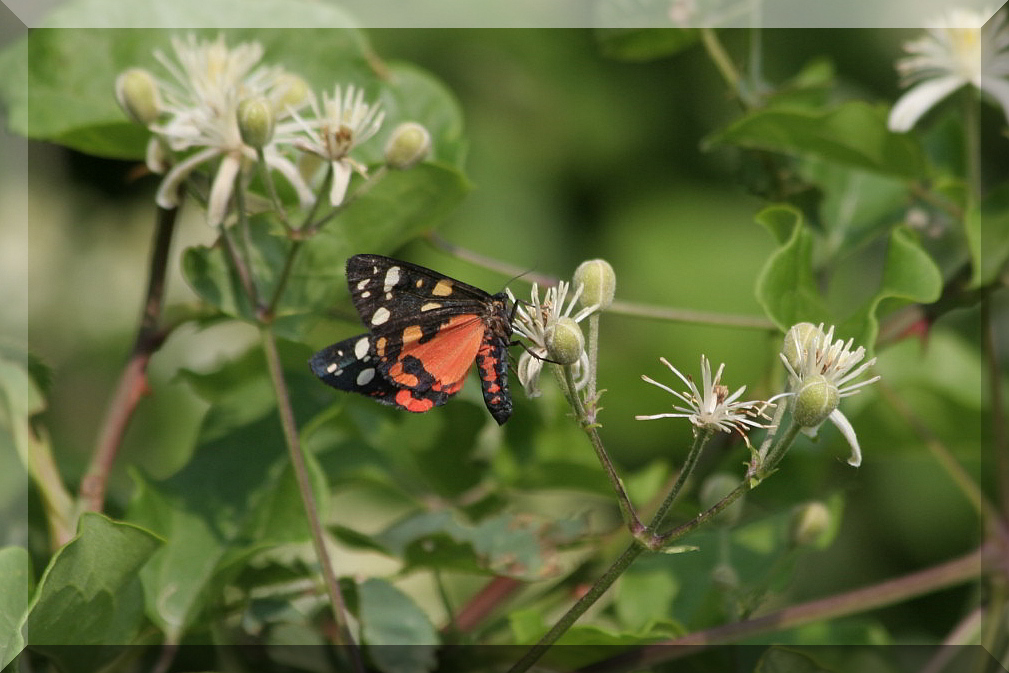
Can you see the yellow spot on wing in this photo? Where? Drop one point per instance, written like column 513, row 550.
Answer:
column 442, row 288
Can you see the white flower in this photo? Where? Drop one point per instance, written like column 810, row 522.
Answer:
column 957, row 50
column 344, row 122
column 533, row 320
column 810, row 353
column 711, row 406
column 200, row 113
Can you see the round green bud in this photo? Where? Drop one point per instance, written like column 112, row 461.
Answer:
column 409, row 144
column 816, row 399
column 255, row 121
column 798, row 340
column 598, row 283
column 716, row 487
column 565, row 342
column 809, row 524
column 137, row 93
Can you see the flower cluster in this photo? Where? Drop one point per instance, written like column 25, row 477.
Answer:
column 821, row 372
column 218, row 106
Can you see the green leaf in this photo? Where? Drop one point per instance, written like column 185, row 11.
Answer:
column 853, row 133
column 909, row 274
column 236, row 496
column 17, row 582
column 21, row 402
column 520, row 546
column 858, row 206
column 987, row 227
column 399, row 636
column 90, row 594
column 786, row 287
column 645, row 44
column 643, row 598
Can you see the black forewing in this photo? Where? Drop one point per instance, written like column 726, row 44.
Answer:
column 408, row 299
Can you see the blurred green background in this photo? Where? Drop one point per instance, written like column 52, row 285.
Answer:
column 572, row 156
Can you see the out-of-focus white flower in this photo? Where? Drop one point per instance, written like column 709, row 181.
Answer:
column 344, row 122
column 711, row 406
column 535, row 321
column 959, row 49
column 199, row 114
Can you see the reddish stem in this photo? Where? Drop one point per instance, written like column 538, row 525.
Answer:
column 132, row 385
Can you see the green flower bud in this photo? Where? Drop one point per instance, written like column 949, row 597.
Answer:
column 810, row 522
column 716, row 487
column 137, row 93
column 798, row 340
column 255, row 121
column 565, row 342
column 409, row 144
column 598, row 282
column 817, row 398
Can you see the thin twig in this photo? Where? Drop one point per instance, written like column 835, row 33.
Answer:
column 949, row 463
column 343, row 636
column 132, row 384
column 1000, row 443
column 858, row 601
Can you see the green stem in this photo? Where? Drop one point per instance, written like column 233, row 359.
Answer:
column 720, row 58
column 243, row 223
column 578, row 609
column 1000, row 444
column 663, row 540
column 760, row 469
column 701, row 438
column 689, row 316
column 282, row 279
column 133, row 381
column 626, row 507
column 343, row 636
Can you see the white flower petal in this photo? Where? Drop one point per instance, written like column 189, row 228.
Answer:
column 919, row 99
column 341, row 180
column 839, row 420
column 168, row 191
column 221, row 189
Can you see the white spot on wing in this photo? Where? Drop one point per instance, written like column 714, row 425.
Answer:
column 361, row 284
column 361, row 347
column 365, row 377
column 332, row 367
column 380, row 316
column 391, row 278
